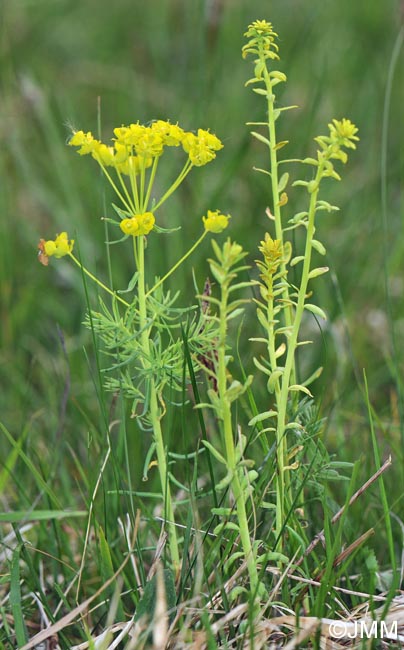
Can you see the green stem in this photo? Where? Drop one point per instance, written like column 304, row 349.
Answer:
column 230, row 447
column 184, row 172
column 275, row 184
column 127, row 205
column 97, row 281
column 155, row 417
column 142, row 185
column 286, row 382
column 177, row 264
column 151, row 181
column 271, row 336
column 132, row 200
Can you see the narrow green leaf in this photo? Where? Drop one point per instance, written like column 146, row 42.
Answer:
column 324, row 205
column 235, row 313
column 39, row 515
column 272, row 556
column 281, row 144
column 262, row 319
column 217, row 272
column 283, row 181
column 9, row 463
column 214, row 452
column 234, row 556
column 318, row 246
column 299, row 387
column 32, row 468
column 319, row 271
column 315, row 375
column 122, row 214
column 147, row 603
column 261, row 367
column 16, row 600
column 165, row 230
column 300, row 184
column 296, row 260
column 298, row 217
column 222, row 485
column 263, row 171
column 261, row 417
column 310, row 161
column 267, row 505
column 222, row 512
column 315, row 309
column 261, row 138
column 227, row 525
column 273, row 379
column 236, row 592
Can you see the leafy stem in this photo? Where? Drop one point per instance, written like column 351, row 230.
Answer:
column 231, row 255
column 273, row 149
column 281, row 441
column 155, row 417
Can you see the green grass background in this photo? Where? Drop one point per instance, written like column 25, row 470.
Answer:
column 181, row 60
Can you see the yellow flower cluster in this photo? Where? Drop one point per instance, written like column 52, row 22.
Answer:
column 58, row 247
column 342, row 134
column 262, row 40
column 215, row 221
column 139, row 224
column 136, row 146
column 272, row 252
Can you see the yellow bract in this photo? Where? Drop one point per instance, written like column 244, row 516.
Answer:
column 139, row 224
column 59, row 247
column 343, row 132
column 272, row 252
column 215, row 221
column 141, row 144
column 262, row 40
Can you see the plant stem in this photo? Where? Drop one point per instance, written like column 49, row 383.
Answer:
column 281, row 442
column 184, row 172
column 275, row 186
column 97, row 281
column 229, row 443
column 177, row 264
column 155, row 417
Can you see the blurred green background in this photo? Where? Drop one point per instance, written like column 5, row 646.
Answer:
column 64, row 62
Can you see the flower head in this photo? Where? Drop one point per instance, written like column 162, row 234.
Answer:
column 201, row 148
column 85, row 141
column 272, row 252
column 215, row 221
column 343, row 132
column 58, row 247
column 133, row 149
column 139, row 224
column 262, row 40
column 172, row 134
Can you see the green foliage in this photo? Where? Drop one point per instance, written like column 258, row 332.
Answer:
column 68, row 447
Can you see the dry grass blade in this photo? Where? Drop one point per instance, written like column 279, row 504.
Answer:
column 72, row 615
column 320, row 536
column 160, row 623
column 335, row 631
